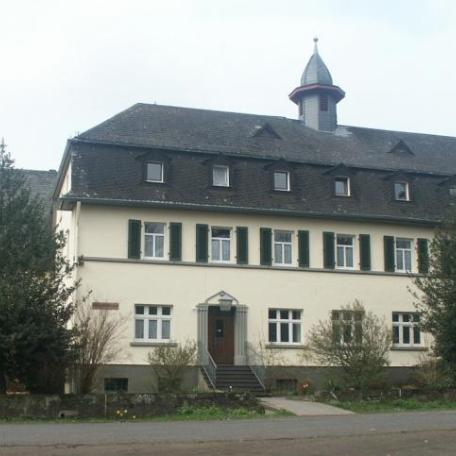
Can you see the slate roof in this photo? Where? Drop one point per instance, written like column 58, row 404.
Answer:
column 41, row 184
column 217, row 132
column 108, row 165
column 316, row 71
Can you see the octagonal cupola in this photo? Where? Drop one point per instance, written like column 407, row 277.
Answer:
column 317, row 96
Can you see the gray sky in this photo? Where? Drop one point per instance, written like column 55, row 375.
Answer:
column 68, row 65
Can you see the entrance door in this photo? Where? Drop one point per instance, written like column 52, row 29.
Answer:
column 221, row 335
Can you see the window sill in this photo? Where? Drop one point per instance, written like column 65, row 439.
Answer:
column 153, row 344
column 408, row 349
column 286, row 346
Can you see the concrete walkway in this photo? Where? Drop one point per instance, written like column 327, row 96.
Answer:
column 301, row 407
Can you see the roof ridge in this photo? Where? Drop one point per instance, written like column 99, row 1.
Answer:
column 216, row 110
column 401, row 132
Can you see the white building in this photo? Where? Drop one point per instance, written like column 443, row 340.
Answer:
column 241, row 231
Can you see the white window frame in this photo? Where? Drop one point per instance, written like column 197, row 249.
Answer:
column 348, row 186
column 154, row 237
column 287, row 173
column 343, row 322
column 220, row 241
column 407, row 190
column 345, row 248
column 402, row 252
column 282, row 245
column 226, row 168
column 162, row 174
column 158, row 317
column 278, row 321
column 412, row 324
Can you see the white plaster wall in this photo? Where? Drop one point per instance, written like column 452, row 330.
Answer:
column 103, row 234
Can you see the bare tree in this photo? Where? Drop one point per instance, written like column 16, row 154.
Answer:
column 97, row 343
column 170, row 362
column 356, row 341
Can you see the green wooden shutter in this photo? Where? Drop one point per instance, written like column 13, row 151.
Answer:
column 242, row 245
column 202, row 243
column 388, row 252
column 175, row 241
column 303, row 249
column 328, row 250
column 134, row 239
column 364, row 252
column 423, row 256
column 265, row 246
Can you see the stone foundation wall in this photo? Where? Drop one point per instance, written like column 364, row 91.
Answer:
column 317, row 377
column 115, row 405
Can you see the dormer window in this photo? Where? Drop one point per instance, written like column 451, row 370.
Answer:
column 342, row 186
column 401, row 191
column 221, row 176
column 154, row 172
column 282, row 181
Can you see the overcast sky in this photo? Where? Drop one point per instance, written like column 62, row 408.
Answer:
column 68, row 65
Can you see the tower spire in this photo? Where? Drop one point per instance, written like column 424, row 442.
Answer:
column 317, row 96
column 315, row 44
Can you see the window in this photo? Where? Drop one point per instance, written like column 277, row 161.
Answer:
column 221, row 176
column 401, row 191
column 116, row 385
column 152, row 323
column 403, row 255
column 284, row 326
column 154, row 172
column 154, row 240
column 323, row 102
column 406, row 329
column 345, row 251
column 282, row 181
column 220, row 245
column 347, row 326
column 282, row 247
column 452, row 192
column 342, row 186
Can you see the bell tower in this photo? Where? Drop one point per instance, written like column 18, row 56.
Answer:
column 317, row 96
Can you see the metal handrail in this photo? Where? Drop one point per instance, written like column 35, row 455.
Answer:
column 208, row 365
column 256, row 363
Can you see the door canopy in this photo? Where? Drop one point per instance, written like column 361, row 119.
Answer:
column 222, row 299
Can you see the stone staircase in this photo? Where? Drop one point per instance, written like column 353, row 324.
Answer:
column 236, row 378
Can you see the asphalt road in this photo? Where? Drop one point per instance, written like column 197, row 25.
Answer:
column 402, row 434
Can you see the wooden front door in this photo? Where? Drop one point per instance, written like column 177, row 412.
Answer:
column 221, row 335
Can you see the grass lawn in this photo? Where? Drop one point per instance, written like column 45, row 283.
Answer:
column 393, row 405
column 183, row 414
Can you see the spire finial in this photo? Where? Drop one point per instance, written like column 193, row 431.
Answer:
column 316, row 45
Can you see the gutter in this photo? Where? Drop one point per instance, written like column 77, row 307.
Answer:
column 245, row 210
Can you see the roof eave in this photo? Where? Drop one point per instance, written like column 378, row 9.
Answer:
column 69, row 200
column 332, row 90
